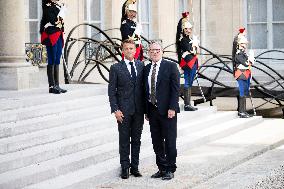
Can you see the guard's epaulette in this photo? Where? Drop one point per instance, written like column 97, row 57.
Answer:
column 124, row 22
column 48, row 4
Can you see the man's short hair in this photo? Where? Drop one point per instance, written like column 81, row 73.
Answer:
column 158, row 42
column 129, row 41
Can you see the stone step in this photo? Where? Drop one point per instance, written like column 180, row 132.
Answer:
column 20, row 142
column 6, row 94
column 52, row 108
column 229, row 162
column 51, row 121
column 94, row 175
column 102, row 132
column 36, row 97
column 91, row 156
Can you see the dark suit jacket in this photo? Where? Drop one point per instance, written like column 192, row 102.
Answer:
column 124, row 94
column 167, row 87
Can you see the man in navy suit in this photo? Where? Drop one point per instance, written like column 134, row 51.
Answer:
column 126, row 97
column 162, row 83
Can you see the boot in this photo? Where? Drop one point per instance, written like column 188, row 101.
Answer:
column 242, row 108
column 56, row 79
column 187, row 103
column 245, row 106
column 50, row 77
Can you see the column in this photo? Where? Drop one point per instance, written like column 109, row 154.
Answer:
column 15, row 72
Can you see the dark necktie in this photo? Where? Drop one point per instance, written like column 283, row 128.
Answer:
column 153, row 85
column 133, row 73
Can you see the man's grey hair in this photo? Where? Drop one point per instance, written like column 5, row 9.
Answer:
column 158, row 42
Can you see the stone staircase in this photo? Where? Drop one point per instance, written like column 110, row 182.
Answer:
column 71, row 141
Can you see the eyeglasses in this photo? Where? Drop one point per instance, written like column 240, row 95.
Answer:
column 155, row 50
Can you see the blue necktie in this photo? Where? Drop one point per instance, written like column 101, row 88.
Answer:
column 133, row 73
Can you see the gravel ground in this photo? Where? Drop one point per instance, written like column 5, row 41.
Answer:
column 274, row 181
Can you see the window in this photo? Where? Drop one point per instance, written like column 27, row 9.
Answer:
column 278, row 24
column 183, row 6
column 265, row 23
column 93, row 15
column 144, row 16
column 32, row 20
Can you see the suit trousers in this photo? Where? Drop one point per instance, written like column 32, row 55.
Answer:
column 164, row 135
column 130, row 131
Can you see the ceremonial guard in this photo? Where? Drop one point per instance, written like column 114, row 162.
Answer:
column 184, row 18
column 125, row 4
column 242, row 32
column 189, row 62
column 131, row 29
column 51, row 29
column 242, row 72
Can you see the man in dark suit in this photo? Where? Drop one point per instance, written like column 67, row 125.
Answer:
column 126, row 97
column 161, row 79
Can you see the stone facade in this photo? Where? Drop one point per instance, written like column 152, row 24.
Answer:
column 215, row 21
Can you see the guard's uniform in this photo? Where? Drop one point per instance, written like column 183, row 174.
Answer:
column 179, row 33
column 235, row 46
column 189, row 61
column 51, row 29
column 124, row 6
column 242, row 73
column 51, row 26
column 127, row 29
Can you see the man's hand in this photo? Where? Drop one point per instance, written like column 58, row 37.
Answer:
column 119, row 116
column 171, row 113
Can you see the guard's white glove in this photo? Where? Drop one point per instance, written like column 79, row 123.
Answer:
column 251, row 58
column 195, row 41
column 138, row 30
column 62, row 12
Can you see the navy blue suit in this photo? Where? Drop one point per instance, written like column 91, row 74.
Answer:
column 164, row 129
column 127, row 95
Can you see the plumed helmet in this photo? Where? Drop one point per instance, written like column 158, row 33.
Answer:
column 241, row 30
column 185, row 14
column 186, row 25
column 132, row 7
column 242, row 40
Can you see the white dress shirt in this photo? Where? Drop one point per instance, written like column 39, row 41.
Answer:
column 129, row 66
column 150, row 74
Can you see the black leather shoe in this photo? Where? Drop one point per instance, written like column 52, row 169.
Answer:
column 54, row 90
column 168, row 176
column 135, row 172
column 124, row 173
column 60, row 89
column 243, row 115
column 189, row 108
column 159, row 174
